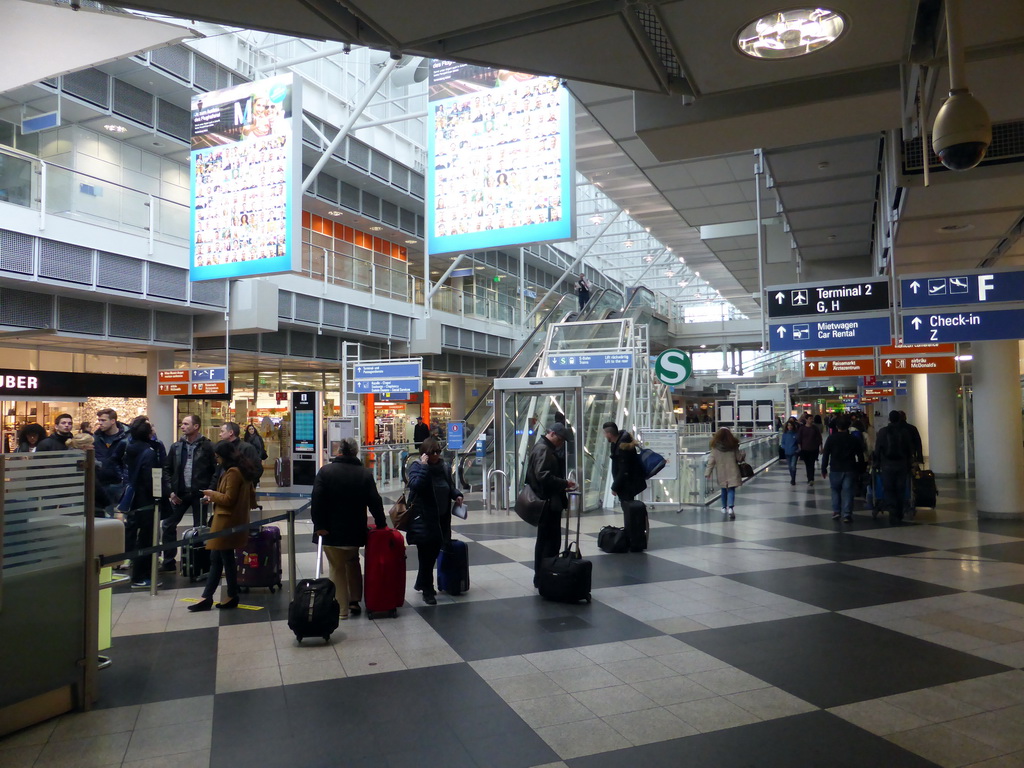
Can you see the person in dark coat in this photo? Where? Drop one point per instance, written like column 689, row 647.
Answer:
column 420, row 432
column 187, row 472
column 58, row 441
column 810, row 446
column 431, row 493
column 627, row 470
column 253, row 438
column 139, row 457
column 343, row 491
column 845, row 452
column 544, row 474
column 30, row 437
column 893, row 457
column 231, row 504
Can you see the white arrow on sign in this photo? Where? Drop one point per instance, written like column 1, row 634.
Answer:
column 782, row 331
column 914, row 286
column 888, row 363
column 916, row 322
column 779, row 297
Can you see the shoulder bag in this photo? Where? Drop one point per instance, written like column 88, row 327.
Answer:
column 400, row 514
column 529, row 505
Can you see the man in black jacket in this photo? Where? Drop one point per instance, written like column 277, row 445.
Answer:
column 627, row 470
column 110, row 441
column 846, row 454
column 420, row 432
column 187, row 472
column 58, row 441
column 894, row 453
column 342, row 493
column 544, row 474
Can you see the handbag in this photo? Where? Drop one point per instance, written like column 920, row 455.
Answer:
column 746, row 471
column 529, row 505
column 125, row 504
column 400, row 514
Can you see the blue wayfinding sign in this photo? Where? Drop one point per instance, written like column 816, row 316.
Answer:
column 932, row 327
column 402, row 376
column 965, row 288
column 830, row 334
column 219, row 373
column 590, row 362
column 481, row 448
column 456, row 435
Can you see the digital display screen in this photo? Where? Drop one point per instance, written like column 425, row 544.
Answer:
column 306, row 418
column 500, row 159
column 246, row 180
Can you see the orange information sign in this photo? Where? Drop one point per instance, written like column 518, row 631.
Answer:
column 822, row 369
column 209, row 387
column 879, row 392
column 922, row 364
column 840, row 354
column 174, row 374
column 173, row 389
column 907, row 350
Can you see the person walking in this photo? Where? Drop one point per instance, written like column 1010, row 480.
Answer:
column 544, row 475
column 845, row 451
column 809, row 437
column 725, row 461
column 231, row 504
column 583, row 290
column 893, row 456
column 343, row 491
column 431, row 493
column 789, row 443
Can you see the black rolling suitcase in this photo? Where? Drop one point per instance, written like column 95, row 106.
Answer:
column 924, row 489
column 453, row 568
column 566, row 577
column 315, row 611
column 637, row 524
column 195, row 557
column 613, row 540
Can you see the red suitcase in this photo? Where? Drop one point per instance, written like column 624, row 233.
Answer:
column 384, row 582
column 259, row 561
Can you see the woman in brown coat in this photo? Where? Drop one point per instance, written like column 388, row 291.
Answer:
column 231, row 504
column 725, row 460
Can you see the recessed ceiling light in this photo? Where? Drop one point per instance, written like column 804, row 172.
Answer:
column 833, row 237
column 376, row 229
column 954, row 229
column 597, row 219
column 411, row 242
column 334, row 213
column 823, row 165
column 479, row 267
column 628, row 243
column 115, row 128
column 791, row 33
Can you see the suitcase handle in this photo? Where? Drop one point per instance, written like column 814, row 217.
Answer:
column 319, row 555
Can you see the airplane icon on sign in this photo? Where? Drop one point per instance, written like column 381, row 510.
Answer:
column 936, row 287
column 958, row 285
column 799, row 298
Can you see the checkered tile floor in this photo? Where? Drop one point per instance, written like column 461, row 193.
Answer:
column 782, row 638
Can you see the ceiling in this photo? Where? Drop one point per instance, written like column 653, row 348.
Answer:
column 671, row 114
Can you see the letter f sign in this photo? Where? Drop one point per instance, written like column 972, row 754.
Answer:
column 984, row 286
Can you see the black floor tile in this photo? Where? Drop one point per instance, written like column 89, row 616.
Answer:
column 840, row 587
column 1014, row 593
column 493, row 628
column 841, row 548
column 862, row 520
column 1008, row 552
column 628, row 568
column 829, row 659
column 812, row 740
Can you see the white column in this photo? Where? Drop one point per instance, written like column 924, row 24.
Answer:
column 917, row 408
column 943, row 415
column 458, row 397
column 998, row 453
column 160, row 408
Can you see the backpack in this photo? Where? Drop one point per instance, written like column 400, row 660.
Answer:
column 897, row 444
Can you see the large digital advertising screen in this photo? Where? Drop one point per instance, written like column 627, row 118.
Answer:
column 500, row 159
column 246, row 180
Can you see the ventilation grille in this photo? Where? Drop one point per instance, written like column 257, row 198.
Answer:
column 358, row 155
column 129, row 322
column 172, row 120
column 172, row 328
column 349, row 197
column 15, row 252
column 371, row 205
column 275, row 343
column 25, row 309
column 81, row 316
column 302, row 344
column 659, row 40
column 1007, row 147
column 209, row 292
column 389, row 213
column 358, row 319
column 327, row 347
column 119, row 272
column 133, row 103
column 379, row 325
column 334, row 314
column 307, row 309
column 89, row 85
column 65, row 262
column 174, row 59
column 284, row 304
column 168, row 282
column 246, row 342
column 209, row 76
column 401, row 327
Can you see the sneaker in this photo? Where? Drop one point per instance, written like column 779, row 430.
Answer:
column 847, row 519
column 169, row 567
column 835, row 516
column 145, row 584
column 429, row 598
column 792, row 482
column 732, row 515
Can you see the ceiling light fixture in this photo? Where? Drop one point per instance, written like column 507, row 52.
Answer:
column 597, row 219
column 628, row 244
column 791, row 33
column 376, row 229
column 411, row 242
column 334, row 213
column 955, row 229
column 115, row 128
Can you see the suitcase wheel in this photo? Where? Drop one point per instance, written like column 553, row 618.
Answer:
column 588, row 599
column 272, row 588
column 298, row 639
column 393, row 613
column 327, row 638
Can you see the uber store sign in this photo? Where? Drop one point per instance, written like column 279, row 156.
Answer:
column 42, row 385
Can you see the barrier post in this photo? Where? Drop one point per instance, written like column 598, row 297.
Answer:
column 291, row 555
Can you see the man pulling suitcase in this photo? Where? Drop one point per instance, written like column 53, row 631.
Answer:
column 628, row 482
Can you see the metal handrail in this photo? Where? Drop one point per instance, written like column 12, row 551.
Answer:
column 492, row 489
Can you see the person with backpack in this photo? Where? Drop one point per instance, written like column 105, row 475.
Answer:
column 893, row 456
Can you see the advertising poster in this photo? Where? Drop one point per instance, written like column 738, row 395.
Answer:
column 246, row 180
column 500, row 159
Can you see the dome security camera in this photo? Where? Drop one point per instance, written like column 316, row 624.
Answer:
column 962, row 132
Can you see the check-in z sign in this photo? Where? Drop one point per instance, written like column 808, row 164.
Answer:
column 673, row 367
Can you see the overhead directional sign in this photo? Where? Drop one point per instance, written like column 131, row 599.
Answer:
column 388, row 377
column 913, row 350
column 920, row 364
column 590, row 362
column 824, row 369
column 963, row 326
column 961, row 288
column 846, row 353
column 821, row 334
column 817, row 299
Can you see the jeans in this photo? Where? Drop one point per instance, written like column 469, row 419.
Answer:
column 222, row 560
column 169, row 525
column 728, row 498
column 842, row 492
column 894, row 489
column 791, row 461
column 346, row 575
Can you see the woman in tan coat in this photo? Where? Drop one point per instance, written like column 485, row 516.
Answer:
column 231, row 504
column 725, row 459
